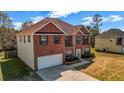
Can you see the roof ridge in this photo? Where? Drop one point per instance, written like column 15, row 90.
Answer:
column 34, row 24
column 63, row 21
column 65, row 26
column 111, row 33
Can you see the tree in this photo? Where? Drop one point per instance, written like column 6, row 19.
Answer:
column 5, row 20
column 7, row 33
column 95, row 27
column 94, row 32
column 97, row 22
column 26, row 25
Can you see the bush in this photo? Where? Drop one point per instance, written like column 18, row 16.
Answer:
column 71, row 58
column 88, row 54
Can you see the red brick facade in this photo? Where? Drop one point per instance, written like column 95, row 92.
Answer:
column 50, row 28
column 50, row 48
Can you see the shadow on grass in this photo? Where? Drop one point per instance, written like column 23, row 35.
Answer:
column 13, row 68
column 84, row 66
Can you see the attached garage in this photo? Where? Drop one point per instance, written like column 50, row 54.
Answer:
column 50, row 60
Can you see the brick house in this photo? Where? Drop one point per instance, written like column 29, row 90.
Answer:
column 49, row 41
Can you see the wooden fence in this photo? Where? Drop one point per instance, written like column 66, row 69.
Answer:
column 10, row 53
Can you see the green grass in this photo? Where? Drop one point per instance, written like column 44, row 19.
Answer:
column 106, row 66
column 13, row 68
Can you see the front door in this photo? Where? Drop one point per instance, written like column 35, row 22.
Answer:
column 86, row 50
column 78, row 53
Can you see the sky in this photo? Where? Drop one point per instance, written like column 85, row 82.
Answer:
column 111, row 19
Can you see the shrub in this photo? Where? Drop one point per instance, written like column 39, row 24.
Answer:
column 71, row 58
column 88, row 54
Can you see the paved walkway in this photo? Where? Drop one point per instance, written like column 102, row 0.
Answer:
column 80, row 63
column 63, row 73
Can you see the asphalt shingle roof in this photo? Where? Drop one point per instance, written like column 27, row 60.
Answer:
column 112, row 33
column 66, row 27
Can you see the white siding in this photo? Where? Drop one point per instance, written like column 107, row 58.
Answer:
column 26, row 50
column 106, row 44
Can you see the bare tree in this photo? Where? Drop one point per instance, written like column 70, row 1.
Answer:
column 7, row 34
column 5, row 20
column 26, row 25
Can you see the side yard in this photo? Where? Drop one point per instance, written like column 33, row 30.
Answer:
column 15, row 69
column 105, row 66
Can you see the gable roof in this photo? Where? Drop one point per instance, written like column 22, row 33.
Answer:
column 83, row 29
column 112, row 33
column 66, row 27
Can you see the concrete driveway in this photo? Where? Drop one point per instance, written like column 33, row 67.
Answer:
column 63, row 73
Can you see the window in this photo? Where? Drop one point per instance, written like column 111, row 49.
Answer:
column 68, row 53
column 68, row 41
column 20, row 39
column 29, row 39
column 78, row 39
column 44, row 40
column 85, row 39
column 57, row 39
column 110, row 40
column 119, row 41
column 24, row 39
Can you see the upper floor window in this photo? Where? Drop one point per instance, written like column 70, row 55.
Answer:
column 78, row 39
column 85, row 39
column 24, row 39
column 44, row 40
column 57, row 39
column 68, row 41
column 119, row 41
column 29, row 40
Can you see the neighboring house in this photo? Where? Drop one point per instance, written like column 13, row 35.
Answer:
column 111, row 40
column 49, row 41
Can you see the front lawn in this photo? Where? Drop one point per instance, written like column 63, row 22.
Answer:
column 106, row 66
column 13, row 68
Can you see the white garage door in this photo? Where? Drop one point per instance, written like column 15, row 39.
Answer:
column 50, row 60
